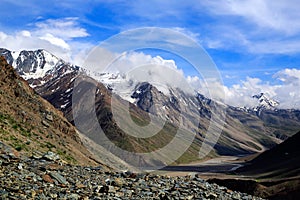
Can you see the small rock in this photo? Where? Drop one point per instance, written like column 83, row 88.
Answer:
column 103, row 189
column 47, row 178
column 37, row 155
column 190, row 197
column 20, row 166
column 128, row 174
column 111, row 189
column 59, row 178
column 236, row 196
column 49, row 117
column 119, row 194
column 46, row 124
column 211, row 196
column 146, row 178
column 80, row 185
column 117, row 182
column 73, row 196
column 53, row 196
column 51, row 156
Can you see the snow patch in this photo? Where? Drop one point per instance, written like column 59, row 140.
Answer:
column 64, row 105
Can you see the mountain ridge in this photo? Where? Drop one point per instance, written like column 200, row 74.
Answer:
column 38, row 66
column 243, row 133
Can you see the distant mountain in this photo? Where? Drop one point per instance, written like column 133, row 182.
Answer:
column 243, row 133
column 148, row 99
column 265, row 102
column 32, row 126
column 166, row 102
column 37, row 67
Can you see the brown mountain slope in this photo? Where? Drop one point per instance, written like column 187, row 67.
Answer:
column 243, row 133
column 32, row 125
column 274, row 174
column 282, row 161
column 107, row 122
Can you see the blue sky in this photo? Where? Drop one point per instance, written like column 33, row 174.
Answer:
column 250, row 39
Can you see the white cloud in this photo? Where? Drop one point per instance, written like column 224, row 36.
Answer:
column 240, row 95
column 66, row 28
column 281, row 15
column 288, row 93
column 138, row 67
column 226, row 37
column 55, row 41
column 133, row 60
column 275, row 46
column 55, row 36
column 26, row 33
column 289, row 76
column 19, row 41
column 255, row 26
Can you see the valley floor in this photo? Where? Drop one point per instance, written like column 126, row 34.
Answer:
column 215, row 167
column 221, row 171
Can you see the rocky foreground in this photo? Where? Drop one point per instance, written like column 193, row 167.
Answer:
column 47, row 177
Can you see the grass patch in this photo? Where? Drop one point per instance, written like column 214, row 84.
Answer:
column 19, row 146
column 63, row 154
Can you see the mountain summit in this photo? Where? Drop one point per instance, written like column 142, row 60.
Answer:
column 37, row 67
column 265, row 102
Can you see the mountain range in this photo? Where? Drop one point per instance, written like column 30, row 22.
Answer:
column 39, row 113
column 245, row 131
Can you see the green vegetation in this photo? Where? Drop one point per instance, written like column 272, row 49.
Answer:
column 63, row 154
column 18, row 127
column 19, row 145
column 47, row 145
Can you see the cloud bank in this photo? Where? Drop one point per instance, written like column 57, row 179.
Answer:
column 286, row 92
column 140, row 67
column 56, row 36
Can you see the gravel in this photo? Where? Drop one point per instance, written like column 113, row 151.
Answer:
column 40, row 178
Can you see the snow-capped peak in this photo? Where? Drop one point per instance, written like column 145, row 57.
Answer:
column 39, row 66
column 119, row 83
column 43, row 63
column 265, row 102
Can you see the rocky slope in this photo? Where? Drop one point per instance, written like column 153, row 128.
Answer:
column 31, row 178
column 32, row 125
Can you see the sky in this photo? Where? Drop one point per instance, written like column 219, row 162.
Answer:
column 255, row 44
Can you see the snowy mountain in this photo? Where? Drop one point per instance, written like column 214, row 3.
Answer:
column 38, row 66
column 265, row 102
column 118, row 83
